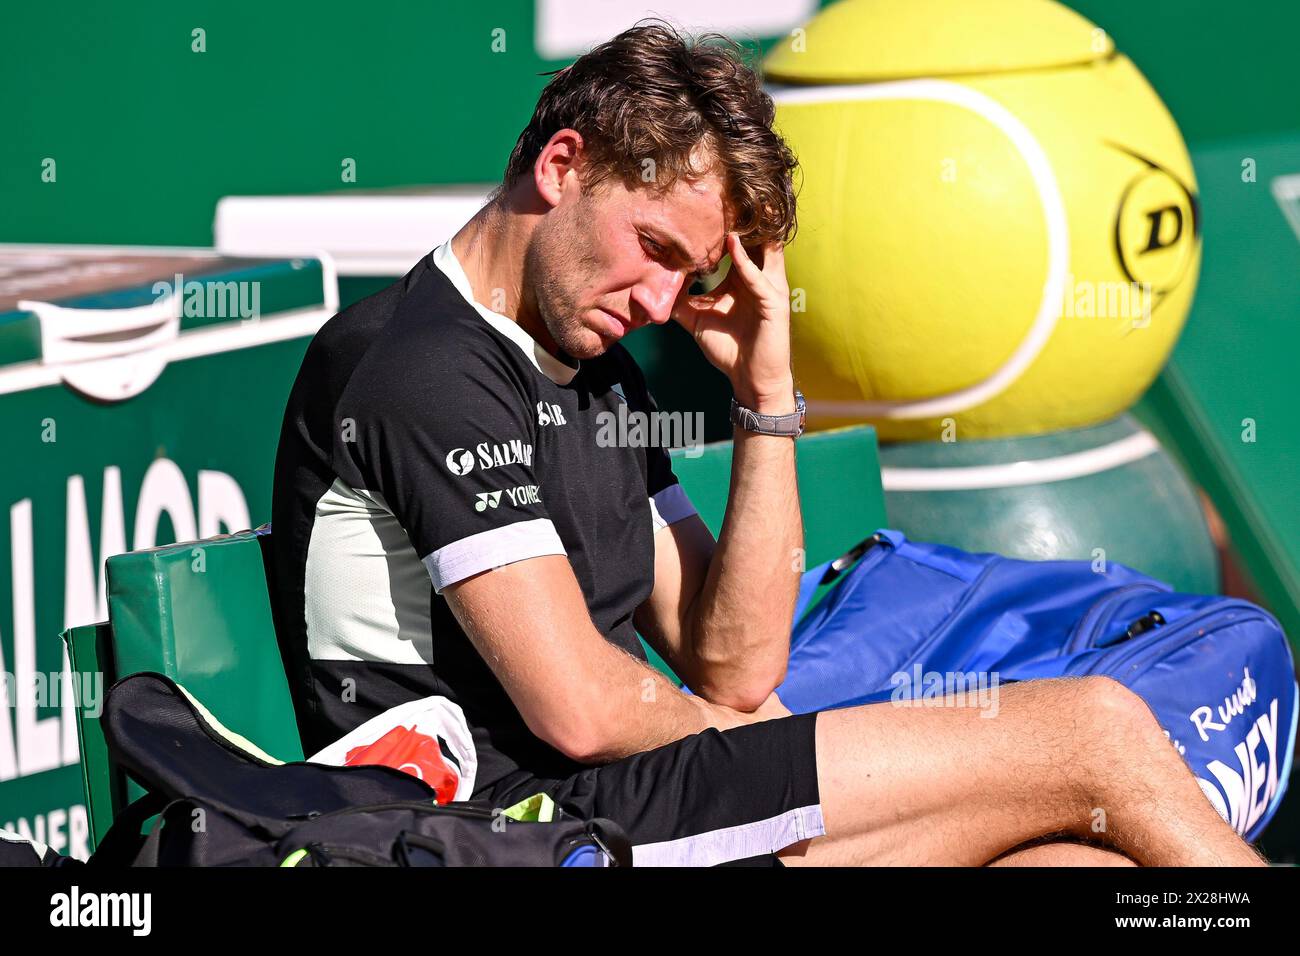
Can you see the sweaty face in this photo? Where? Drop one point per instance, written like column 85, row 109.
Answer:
column 602, row 263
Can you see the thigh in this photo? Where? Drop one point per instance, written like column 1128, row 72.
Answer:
column 712, row 798
column 1062, row 853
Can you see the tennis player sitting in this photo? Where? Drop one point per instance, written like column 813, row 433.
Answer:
column 449, row 521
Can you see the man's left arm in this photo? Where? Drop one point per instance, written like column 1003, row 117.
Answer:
column 721, row 612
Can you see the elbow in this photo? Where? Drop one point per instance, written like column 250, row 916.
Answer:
column 745, row 701
column 579, row 734
column 584, row 747
column 742, row 679
column 744, row 695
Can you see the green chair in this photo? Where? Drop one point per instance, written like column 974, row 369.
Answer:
column 200, row 612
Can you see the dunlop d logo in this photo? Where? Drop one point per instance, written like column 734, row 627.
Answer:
column 1157, row 227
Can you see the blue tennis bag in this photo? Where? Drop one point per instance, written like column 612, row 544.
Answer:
column 908, row 620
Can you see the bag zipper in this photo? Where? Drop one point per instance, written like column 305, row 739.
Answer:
column 1160, row 634
column 328, row 853
column 1079, row 640
column 846, row 561
column 451, row 809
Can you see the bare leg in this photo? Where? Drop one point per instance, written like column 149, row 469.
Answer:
column 947, row 786
column 1050, row 853
column 1062, row 853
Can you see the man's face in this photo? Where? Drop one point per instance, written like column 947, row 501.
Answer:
column 602, row 263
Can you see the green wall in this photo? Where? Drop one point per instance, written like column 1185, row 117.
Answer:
column 148, row 135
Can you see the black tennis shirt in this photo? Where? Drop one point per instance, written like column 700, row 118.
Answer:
column 428, row 439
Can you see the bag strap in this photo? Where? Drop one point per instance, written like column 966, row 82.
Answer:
column 123, row 841
column 610, row 838
column 150, row 848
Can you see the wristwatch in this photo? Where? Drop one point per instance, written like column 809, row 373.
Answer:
column 789, row 426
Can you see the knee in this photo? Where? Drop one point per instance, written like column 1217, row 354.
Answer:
column 1115, row 705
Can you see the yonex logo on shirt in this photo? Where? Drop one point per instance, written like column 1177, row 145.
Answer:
column 523, row 495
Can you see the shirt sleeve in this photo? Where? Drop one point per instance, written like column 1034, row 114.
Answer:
column 668, row 499
column 454, row 459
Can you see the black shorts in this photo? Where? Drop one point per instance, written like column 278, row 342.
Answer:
column 712, row 798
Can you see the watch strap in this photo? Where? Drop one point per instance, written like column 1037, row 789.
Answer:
column 788, row 426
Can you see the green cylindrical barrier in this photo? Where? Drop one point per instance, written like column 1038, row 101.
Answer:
column 1109, row 492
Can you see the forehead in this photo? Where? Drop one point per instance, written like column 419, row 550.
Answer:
column 691, row 210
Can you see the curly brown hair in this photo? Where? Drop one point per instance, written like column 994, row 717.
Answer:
column 653, row 99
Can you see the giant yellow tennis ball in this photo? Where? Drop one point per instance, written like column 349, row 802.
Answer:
column 998, row 227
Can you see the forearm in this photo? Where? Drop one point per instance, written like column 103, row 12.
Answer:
column 585, row 696
column 739, row 627
column 634, row 708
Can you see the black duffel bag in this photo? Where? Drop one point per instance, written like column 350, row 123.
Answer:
column 219, row 805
